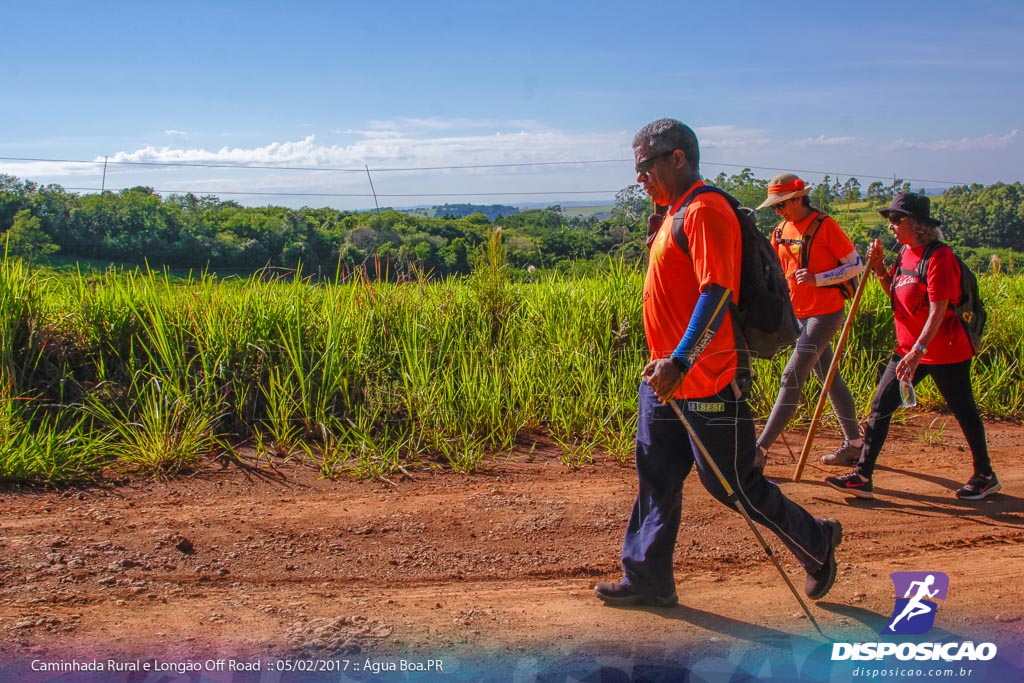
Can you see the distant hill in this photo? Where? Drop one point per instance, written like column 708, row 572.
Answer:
column 492, row 211
column 601, row 212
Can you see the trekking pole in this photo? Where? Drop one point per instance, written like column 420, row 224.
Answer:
column 833, row 366
column 735, row 500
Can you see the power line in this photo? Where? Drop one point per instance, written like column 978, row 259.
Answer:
column 837, row 175
column 364, row 194
column 332, row 169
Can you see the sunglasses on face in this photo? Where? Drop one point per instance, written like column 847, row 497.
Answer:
column 780, row 206
column 644, row 166
column 896, row 218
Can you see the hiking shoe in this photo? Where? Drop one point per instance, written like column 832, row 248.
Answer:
column 845, row 455
column 820, row 582
column 979, row 486
column 619, row 595
column 852, row 483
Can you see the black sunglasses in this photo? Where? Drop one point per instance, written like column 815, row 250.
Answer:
column 896, row 218
column 644, row 166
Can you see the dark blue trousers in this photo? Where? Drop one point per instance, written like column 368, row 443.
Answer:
column 664, row 457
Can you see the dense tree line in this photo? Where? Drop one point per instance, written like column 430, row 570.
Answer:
column 984, row 216
column 137, row 225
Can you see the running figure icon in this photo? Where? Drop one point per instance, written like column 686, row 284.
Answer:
column 917, row 605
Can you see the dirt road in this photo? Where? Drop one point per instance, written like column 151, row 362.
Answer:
column 488, row 575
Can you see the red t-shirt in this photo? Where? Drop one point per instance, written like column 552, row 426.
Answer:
column 673, row 283
column 829, row 245
column 950, row 344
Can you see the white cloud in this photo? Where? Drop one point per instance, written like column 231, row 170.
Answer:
column 303, row 151
column 989, row 141
column 731, row 137
column 824, row 141
column 51, row 171
column 388, row 148
column 172, row 131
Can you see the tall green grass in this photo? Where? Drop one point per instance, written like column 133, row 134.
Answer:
column 137, row 372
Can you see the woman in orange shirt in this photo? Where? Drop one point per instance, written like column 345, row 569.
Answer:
column 814, row 278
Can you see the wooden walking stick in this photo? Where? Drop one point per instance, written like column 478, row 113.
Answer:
column 833, row 366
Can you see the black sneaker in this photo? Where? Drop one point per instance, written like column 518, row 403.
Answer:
column 618, row 595
column 820, row 582
column 979, row 486
column 852, row 483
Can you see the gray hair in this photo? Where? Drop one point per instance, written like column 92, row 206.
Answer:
column 926, row 232
column 667, row 135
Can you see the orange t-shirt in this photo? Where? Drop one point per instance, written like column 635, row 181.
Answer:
column 673, row 283
column 829, row 245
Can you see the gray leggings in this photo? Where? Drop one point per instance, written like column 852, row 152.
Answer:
column 813, row 350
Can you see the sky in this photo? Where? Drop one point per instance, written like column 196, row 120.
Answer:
column 319, row 103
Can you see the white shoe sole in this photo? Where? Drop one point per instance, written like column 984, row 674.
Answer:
column 984, row 494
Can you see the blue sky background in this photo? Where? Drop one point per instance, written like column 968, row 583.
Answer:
column 928, row 91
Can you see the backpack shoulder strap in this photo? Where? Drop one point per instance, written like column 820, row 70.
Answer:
column 897, row 270
column 743, row 360
column 922, row 266
column 677, row 229
column 921, row 271
column 900, row 270
column 680, row 214
column 733, row 202
column 812, row 230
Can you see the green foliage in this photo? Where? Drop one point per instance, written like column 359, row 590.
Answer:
column 27, row 239
column 36, row 448
column 159, row 431
column 750, row 192
column 851, row 190
column 984, row 216
column 632, row 205
column 137, row 372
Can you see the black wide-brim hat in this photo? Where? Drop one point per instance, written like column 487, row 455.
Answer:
column 912, row 204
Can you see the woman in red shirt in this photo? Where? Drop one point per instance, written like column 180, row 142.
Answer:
column 930, row 341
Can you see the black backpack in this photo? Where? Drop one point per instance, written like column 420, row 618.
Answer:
column 970, row 310
column 848, row 287
column 764, row 318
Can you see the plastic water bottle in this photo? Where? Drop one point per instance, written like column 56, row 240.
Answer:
column 907, row 393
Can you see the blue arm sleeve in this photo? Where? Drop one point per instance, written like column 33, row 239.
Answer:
column 704, row 323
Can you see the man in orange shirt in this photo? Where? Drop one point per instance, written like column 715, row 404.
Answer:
column 693, row 275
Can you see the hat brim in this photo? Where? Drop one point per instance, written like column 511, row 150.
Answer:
column 774, row 199
column 931, row 221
